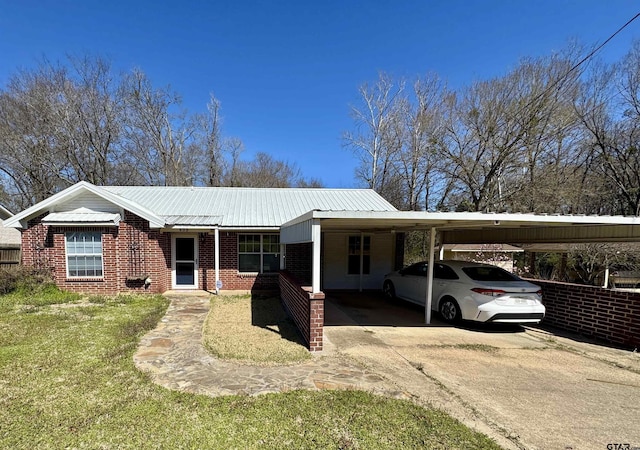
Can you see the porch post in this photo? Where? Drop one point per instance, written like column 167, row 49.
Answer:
column 427, row 306
column 315, row 238
column 216, row 256
column 283, row 249
column 361, row 260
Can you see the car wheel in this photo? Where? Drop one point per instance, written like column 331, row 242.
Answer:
column 389, row 290
column 449, row 310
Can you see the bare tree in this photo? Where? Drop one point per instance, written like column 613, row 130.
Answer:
column 211, row 144
column 609, row 110
column 159, row 136
column 375, row 138
column 91, row 119
column 423, row 136
column 502, row 128
column 31, row 144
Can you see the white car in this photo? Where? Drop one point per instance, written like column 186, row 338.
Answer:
column 469, row 291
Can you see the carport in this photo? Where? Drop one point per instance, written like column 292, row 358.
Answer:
column 305, row 302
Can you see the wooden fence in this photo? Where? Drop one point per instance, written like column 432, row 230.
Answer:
column 9, row 257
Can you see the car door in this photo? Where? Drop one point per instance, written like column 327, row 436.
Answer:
column 443, row 278
column 417, row 284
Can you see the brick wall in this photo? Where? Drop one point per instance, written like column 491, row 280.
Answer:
column 231, row 279
column 612, row 316
column 130, row 252
column 306, row 309
column 299, row 260
column 133, row 251
column 142, row 252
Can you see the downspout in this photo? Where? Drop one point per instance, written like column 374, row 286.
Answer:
column 427, row 306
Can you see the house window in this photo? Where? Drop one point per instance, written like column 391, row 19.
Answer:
column 258, row 253
column 84, row 254
column 354, row 255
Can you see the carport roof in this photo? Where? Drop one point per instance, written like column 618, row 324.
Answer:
column 471, row 227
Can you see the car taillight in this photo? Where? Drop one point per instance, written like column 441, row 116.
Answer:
column 539, row 292
column 489, row 292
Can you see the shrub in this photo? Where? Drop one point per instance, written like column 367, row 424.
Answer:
column 24, row 279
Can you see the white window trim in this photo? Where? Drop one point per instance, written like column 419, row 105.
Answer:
column 66, row 257
column 346, row 269
column 261, row 253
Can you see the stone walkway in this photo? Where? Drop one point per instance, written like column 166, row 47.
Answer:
column 175, row 358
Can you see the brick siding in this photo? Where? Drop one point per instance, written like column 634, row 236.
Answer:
column 131, row 252
column 299, row 260
column 306, row 309
column 604, row 314
column 229, row 275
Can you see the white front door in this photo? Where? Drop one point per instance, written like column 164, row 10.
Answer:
column 184, row 262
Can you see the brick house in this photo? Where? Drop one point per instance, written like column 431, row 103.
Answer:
column 301, row 241
column 149, row 238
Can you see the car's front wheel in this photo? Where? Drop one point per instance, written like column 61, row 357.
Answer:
column 389, row 290
column 449, row 310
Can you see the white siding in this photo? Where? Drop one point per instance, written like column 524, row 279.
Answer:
column 335, row 261
column 297, row 233
column 87, row 200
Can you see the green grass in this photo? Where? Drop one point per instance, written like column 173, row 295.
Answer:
column 67, row 380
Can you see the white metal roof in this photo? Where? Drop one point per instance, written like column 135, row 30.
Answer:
column 295, row 210
column 472, row 227
column 166, row 206
column 195, row 220
column 82, row 216
column 49, row 204
column 248, row 207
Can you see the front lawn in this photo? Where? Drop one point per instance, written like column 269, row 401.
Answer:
column 253, row 329
column 67, row 380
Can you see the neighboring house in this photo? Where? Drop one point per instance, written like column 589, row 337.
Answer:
column 500, row 255
column 118, row 238
column 9, row 241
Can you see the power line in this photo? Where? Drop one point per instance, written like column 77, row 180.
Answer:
column 583, row 60
column 594, row 51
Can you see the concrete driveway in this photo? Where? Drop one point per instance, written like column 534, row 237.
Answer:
column 528, row 388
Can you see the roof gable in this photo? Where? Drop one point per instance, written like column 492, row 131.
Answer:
column 64, row 199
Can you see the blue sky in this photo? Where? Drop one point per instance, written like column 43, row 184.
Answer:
column 287, row 71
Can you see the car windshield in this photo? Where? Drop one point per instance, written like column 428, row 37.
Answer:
column 489, row 273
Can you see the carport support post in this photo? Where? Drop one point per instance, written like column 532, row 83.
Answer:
column 361, row 260
column 315, row 238
column 427, row 306
column 216, row 256
column 283, row 255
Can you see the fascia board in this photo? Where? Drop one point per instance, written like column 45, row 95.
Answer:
column 19, row 220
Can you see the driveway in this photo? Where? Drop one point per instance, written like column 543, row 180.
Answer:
column 529, row 388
